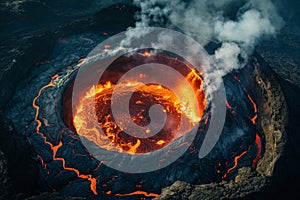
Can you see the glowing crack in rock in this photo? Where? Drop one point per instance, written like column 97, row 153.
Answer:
column 55, row 148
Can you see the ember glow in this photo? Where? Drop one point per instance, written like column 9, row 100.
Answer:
column 138, row 193
column 99, row 97
column 114, row 139
column 258, row 153
column 55, row 148
column 253, row 120
column 236, row 160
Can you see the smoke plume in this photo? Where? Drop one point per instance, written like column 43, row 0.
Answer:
column 236, row 25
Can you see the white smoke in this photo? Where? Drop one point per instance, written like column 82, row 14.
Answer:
column 237, row 25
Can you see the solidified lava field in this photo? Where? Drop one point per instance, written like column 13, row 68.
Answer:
column 43, row 136
column 65, row 165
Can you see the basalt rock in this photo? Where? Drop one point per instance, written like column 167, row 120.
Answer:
column 21, row 53
column 272, row 120
column 283, row 54
column 272, row 116
column 18, row 153
column 53, row 196
column 6, row 187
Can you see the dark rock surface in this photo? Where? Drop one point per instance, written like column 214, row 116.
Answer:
column 53, row 196
column 21, row 52
column 246, row 182
column 282, row 53
column 284, row 61
column 272, row 119
column 52, row 178
column 18, row 153
column 15, row 64
column 30, row 16
column 14, row 58
column 6, row 187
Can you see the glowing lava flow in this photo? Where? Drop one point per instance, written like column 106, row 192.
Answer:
column 258, row 153
column 56, row 147
column 113, row 138
column 257, row 137
column 137, row 193
column 236, row 159
column 253, row 119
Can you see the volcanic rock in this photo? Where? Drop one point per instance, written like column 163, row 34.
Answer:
column 272, row 119
column 5, row 182
column 14, row 56
column 283, row 54
column 53, row 196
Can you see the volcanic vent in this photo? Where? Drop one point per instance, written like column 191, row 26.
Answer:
column 42, row 110
column 142, row 99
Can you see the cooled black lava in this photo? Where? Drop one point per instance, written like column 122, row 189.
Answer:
column 66, row 166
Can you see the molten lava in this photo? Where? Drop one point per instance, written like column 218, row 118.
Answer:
column 258, row 144
column 137, row 193
column 236, row 160
column 55, row 148
column 113, row 138
column 253, row 119
column 258, row 153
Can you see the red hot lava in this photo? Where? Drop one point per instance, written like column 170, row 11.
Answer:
column 258, row 144
column 55, row 148
column 114, row 139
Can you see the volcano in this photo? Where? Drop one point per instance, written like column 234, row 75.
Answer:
column 142, row 100
column 65, row 164
column 42, row 117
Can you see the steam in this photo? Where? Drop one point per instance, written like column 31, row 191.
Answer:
column 237, row 25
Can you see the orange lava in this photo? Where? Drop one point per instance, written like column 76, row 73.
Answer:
column 206, row 120
column 56, row 147
column 257, row 137
column 145, row 54
column 113, row 138
column 137, row 193
column 253, row 119
column 236, row 159
column 88, row 177
column 258, row 153
column 228, row 105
